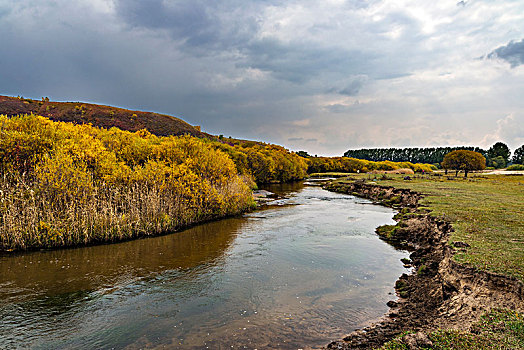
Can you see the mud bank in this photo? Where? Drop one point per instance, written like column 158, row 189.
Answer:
column 439, row 293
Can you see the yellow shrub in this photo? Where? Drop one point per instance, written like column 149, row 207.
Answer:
column 63, row 178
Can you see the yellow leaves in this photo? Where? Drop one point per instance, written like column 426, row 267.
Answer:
column 143, row 133
column 43, row 226
column 166, row 218
column 72, row 165
column 153, row 173
column 50, row 235
column 64, row 178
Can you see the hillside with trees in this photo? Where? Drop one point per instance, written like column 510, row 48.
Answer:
column 98, row 115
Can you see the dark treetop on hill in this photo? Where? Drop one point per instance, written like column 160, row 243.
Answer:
column 499, row 149
column 518, row 155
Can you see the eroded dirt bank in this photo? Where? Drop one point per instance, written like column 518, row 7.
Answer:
column 440, row 293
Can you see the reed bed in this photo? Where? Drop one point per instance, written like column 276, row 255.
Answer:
column 32, row 217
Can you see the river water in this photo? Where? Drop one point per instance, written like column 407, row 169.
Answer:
column 295, row 275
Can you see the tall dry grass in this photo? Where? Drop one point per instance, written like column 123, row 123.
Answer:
column 33, row 217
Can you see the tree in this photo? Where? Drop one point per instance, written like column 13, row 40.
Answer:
column 303, row 154
column 464, row 160
column 499, row 149
column 498, row 162
column 518, row 155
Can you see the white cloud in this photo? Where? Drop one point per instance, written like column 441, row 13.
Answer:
column 509, row 129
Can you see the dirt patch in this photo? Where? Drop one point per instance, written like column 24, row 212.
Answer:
column 503, row 172
column 440, row 293
column 396, row 171
column 386, row 195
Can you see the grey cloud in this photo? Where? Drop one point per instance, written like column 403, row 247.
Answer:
column 354, row 86
column 341, row 108
column 204, row 28
column 513, row 53
column 183, row 17
column 186, row 21
column 200, row 26
column 300, row 62
column 249, row 70
column 393, row 75
column 4, row 12
column 337, row 108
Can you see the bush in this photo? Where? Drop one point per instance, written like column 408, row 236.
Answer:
column 266, row 163
column 498, row 162
column 515, row 167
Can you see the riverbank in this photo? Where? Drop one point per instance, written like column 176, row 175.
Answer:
column 443, row 292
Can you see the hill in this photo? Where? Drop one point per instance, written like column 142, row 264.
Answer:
column 99, row 115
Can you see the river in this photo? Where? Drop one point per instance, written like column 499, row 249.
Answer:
column 306, row 270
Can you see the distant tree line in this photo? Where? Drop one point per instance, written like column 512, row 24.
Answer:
column 498, row 156
column 428, row 155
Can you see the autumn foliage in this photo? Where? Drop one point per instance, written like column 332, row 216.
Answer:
column 463, row 160
column 352, row 165
column 265, row 162
column 63, row 184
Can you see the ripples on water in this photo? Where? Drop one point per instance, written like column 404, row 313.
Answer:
column 295, row 276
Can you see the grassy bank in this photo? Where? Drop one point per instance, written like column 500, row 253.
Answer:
column 498, row 329
column 487, row 213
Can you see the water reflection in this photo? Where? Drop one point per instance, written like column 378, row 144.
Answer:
column 63, row 271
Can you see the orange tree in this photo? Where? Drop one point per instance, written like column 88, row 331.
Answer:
column 464, row 160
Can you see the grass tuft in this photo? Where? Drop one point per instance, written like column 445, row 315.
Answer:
column 497, row 329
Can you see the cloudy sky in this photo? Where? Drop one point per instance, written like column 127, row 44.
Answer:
column 321, row 76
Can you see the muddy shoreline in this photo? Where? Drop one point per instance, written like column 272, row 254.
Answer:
column 440, row 293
